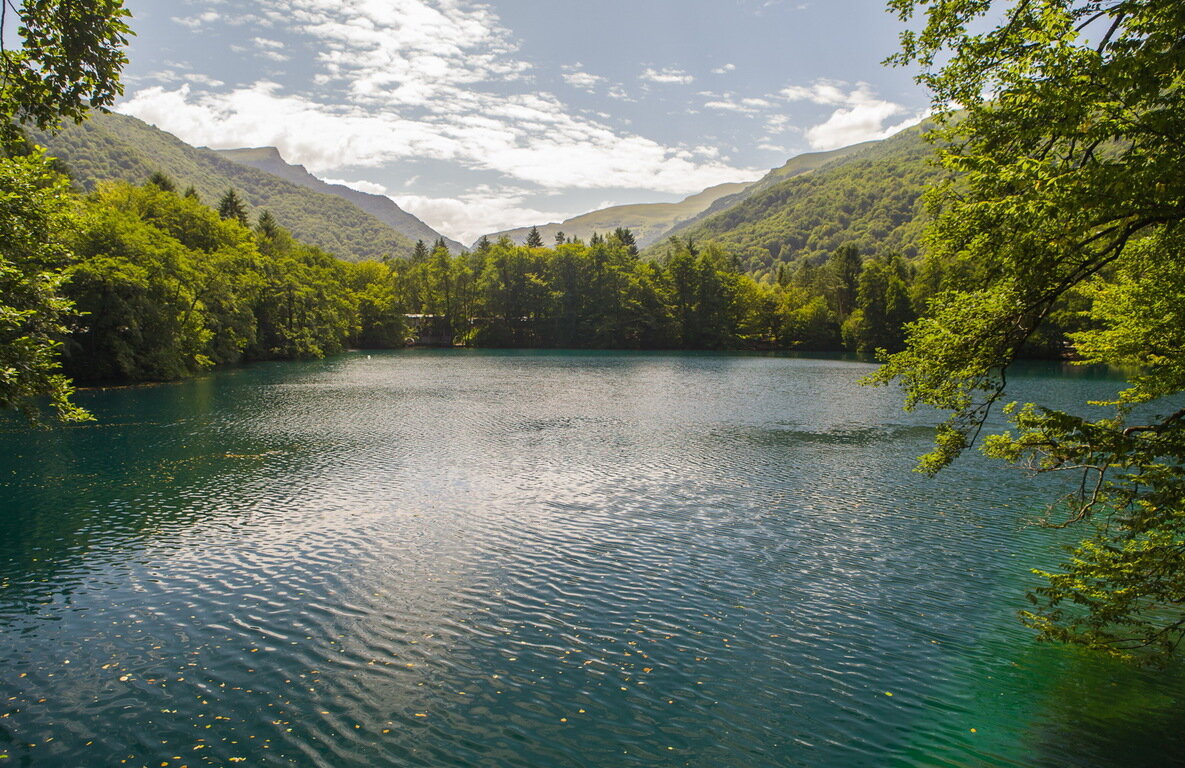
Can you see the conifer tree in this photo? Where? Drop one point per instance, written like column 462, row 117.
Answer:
column 232, row 207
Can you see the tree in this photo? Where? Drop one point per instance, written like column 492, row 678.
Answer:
column 70, row 58
column 69, row 61
column 35, row 219
column 231, row 207
column 267, row 225
column 626, row 238
column 843, row 279
column 1067, row 154
column 162, row 181
column 534, row 239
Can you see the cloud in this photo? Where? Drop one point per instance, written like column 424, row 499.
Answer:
column 583, row 80
column 729, row 103
column 860, row 114
column 200, row 79
column 725, row 69
column 668, row 75
column 361, row 186
column 528, row 138
column 481, row 212
column 392, row 80
column 194, row 22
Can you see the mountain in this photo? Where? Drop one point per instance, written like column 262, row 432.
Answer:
column 652, row 222
column 113, row 146
column 795, row 166
column 379, row 206
column 867, row 195
column 648, row 221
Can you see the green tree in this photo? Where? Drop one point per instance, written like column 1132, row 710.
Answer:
column 69, row 60
column 35, row 218
column 162, row 180
column 534, row 239
column 267, row 226
column 231, row 206
column 626, row 238
column 843, row 279
column 1067, row 152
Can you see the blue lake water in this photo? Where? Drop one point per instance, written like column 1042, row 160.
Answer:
column 539, row 559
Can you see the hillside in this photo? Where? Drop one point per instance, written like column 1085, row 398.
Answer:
column 379, row 206
column 797, row 165
column 868, row 196
column 113, row 146
column 648, row 221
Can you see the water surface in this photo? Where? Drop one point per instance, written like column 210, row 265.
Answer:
column 538, row 559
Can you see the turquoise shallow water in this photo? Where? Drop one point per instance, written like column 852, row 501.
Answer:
column 538, row 559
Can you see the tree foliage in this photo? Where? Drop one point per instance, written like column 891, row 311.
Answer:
column 1066, row 145
column 35, row 217
column 69, row 61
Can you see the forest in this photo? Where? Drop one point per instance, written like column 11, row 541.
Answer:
column 164, row 286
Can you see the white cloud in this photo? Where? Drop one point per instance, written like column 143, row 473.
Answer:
column 729, row 106
column 724, row 69
column 860, row 114
column 361, row 186
column 193, row 22
column 530, row 138
column 481, row 212
column 668, row 75
column 583, row 80
column 424, row 79
column 201, row 79
column 729, row 103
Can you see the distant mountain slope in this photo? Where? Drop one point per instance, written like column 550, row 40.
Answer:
column 381, row 207
column 868, row 197
column 795, row 166
column 648, row 221
column 652, row 222
column 116, row 146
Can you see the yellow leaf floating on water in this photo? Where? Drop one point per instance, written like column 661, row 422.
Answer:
column 888, row 694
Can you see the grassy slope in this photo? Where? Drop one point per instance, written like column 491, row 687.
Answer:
column 112, row 146
column 868, row 197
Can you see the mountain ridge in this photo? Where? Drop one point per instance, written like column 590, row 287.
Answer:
column 123, row 148
column 383, row 208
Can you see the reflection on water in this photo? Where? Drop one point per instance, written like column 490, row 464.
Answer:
column 527, row 559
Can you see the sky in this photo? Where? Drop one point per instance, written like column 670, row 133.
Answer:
column 483, row 116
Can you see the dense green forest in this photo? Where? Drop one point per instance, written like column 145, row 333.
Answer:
column 165, row 286
column 116, row 147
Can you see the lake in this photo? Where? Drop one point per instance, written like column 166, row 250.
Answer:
column 460, row 558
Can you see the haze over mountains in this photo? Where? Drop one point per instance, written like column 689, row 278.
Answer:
column 866, row 194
